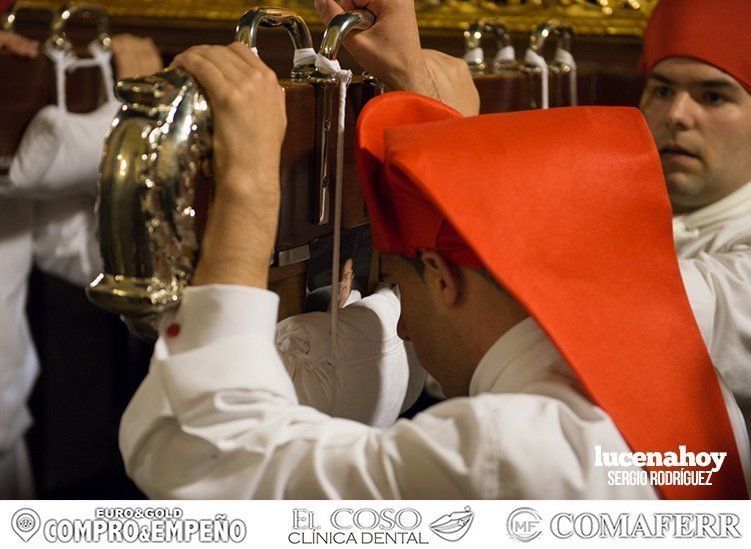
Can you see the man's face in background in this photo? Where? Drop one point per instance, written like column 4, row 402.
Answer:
column 700, row 118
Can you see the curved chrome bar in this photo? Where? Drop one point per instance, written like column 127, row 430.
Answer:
column 9, row 17
column 11, row 14
column 473, row 41
column 339, row 27
column 59, row 38
column 503, row 41
column 246, row 32
column 565, row 37
column 500, row 32
column 540, row 35
column 563, row 34
column 267, row 16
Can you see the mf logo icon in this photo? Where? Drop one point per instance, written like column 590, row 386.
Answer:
column 524, row 524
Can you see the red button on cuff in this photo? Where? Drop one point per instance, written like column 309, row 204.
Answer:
column 173, row 330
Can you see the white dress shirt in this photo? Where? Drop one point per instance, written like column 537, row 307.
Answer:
column 714, row 251
column 218, row 417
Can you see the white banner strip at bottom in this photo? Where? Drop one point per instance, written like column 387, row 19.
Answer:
column 273, row 524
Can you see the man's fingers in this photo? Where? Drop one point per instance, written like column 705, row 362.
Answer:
column 203, row 70
column 327, row 9
column 227, row 73
column 230, row 65
column 247, row 55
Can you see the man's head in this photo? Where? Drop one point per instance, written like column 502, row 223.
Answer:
column 562, row 230
column 499, row 211
column 451, row 314
column 697, row 100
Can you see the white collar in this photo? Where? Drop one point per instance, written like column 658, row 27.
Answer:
column 687, row 226
column 521, row 355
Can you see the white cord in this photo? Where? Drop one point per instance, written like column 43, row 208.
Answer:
column 474, row 56
column 66, row 61
column 304, row 56
column 345, row 77
column 564, row 57
column 537, row 60
column 104, row 61
column 505, row 55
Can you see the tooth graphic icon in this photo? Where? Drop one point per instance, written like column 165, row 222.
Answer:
column 454, row 526
column 25, row 523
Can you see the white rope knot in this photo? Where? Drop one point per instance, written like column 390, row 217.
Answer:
column 304, row 56
column 564, row 57
column 474, row 56
column 331, row 66
column 535, row 59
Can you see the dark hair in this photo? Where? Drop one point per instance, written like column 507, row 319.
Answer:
column 416, row 262
column 419, row 266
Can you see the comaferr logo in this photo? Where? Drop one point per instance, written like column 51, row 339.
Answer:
column 647, row 526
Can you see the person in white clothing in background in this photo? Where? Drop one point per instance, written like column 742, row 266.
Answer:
column 58, row 237
column 18, row 360
column 697, row 102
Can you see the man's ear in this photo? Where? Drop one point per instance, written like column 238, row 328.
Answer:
column 442, row 278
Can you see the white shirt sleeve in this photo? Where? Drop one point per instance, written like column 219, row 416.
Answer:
column 718, row 286
column 218, row 417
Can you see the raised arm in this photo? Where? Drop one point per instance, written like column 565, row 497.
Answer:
column 390, row 50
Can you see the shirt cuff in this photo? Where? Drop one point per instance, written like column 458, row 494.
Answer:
column 220, row 339
column 214, row 312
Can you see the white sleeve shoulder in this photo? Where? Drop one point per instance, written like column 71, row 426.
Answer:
column 718, row 285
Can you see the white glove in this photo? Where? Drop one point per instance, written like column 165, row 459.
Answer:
column 367, row 375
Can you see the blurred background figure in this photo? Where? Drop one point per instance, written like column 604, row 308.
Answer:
column 51, row 241
column 18, row 359
column 697, row 102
